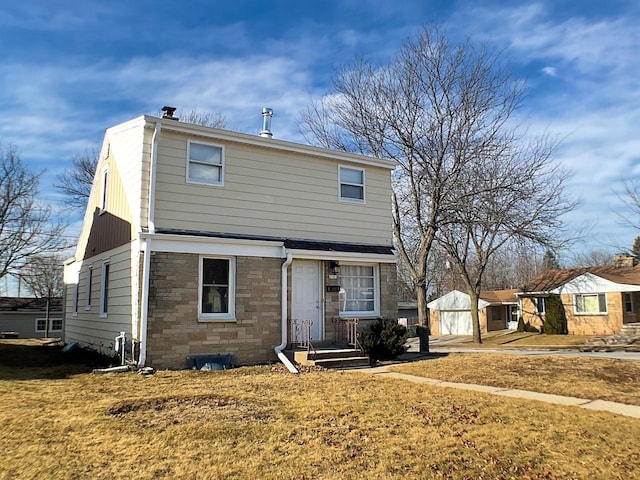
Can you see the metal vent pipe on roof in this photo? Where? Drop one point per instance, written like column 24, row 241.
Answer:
column 267, row 113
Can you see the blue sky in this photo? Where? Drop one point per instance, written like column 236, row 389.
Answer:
column 71, row 69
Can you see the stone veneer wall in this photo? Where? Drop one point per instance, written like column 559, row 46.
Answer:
column 173, row 327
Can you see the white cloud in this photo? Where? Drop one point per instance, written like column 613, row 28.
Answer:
column 551, row 71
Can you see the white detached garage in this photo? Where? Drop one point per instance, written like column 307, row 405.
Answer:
column 451, row 313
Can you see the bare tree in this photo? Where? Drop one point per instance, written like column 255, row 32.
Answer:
column 44, row 277
column 514, row 194
column 75, row 182
column 592, row 258
column 26, row 224
column 206, row 119
column 435, row 109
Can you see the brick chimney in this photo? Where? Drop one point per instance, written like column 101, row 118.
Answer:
column 624, row 260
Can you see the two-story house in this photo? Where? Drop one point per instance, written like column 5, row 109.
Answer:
column 199, row 240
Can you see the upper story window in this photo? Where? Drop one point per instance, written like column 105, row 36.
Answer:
column 105, row 190
column 591, row 303
column 205, row 163
column 351, row 184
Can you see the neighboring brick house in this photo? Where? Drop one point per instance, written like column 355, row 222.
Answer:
column 596, row 300
column 199, row 240
column 26, row 317
column 450, row 314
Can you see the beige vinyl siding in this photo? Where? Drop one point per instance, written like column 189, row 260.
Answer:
column 270, row 193
column 88, row 328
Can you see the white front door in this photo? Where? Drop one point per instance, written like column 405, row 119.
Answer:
column 305, row 295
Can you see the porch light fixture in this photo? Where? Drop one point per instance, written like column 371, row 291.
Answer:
column 335, row 268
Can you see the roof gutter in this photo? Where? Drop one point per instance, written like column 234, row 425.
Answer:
column 285, row 324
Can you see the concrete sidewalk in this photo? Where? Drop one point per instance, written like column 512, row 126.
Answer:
column 612, row 407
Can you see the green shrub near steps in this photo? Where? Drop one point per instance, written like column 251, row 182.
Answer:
column 384, row 340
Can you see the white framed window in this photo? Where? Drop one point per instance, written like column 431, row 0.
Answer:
column 628, row 303
column 359, row 290
column 104, row 289
column 216, row 289
column 590, row 303
column 105, row 189
column 205, row 163
column 87, row 304
column 76, row 295
column 55, row 324
column 541, row 304
column 351, row 183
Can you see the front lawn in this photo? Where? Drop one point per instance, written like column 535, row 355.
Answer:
column 591, row 378
column 261, row 423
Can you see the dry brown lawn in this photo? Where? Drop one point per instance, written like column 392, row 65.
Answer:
column 523, row 339
column 260, row 423
column 591, row 378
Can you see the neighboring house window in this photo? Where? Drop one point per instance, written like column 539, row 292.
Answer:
column 591, row 303
column 541, row 304
column 359, row 287
column 104, row 290
column 205, row 163
column 105, row 190
column 87, row 305
column 76, row 294
column 628, row 303
column 351, row 184
column 217, row 289
column 55, row 324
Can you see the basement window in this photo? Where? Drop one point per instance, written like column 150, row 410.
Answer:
column 205, row 163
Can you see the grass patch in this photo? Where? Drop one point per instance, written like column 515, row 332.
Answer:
column 261, row 423
column 591, row 378
column 521, row 339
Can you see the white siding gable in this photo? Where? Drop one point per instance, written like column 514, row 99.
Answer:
column 590, row 283
column 455, row 300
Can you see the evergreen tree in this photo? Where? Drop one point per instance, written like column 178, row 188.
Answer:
column 549, row 261
column 555, row 319
column 635, row 250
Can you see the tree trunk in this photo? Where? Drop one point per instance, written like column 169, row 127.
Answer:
column 46, row 323
column 424, row 327
column 475, row 317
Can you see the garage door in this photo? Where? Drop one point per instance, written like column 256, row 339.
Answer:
column 456, row 322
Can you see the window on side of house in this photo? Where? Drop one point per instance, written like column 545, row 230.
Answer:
column 217, row 289
column 628, row 303
column 41, row 323
column 87, row 304
column 205, row 163
column 76, row 295
column 105, row 190
column 351, row 184
column 541, row 304
column 104, row 289
column 359, row 290
column 595, row 303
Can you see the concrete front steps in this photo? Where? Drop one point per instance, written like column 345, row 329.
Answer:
column 630, row 329
column 330, row 357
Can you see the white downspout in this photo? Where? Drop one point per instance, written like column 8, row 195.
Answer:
column 278, row 349
column 144, row 310
column 152, row 178
column 146, row 247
